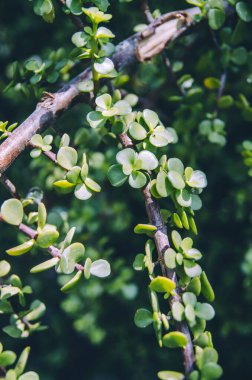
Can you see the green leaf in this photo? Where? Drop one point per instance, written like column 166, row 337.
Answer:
column 21, row 363
column 175, row 339
column 162, row 285
column 170, row 258
column 79, row 39
column 123, row 108
column 184, row 198
column 176, row 180
column 11, row 375
column 45, row 265
column 21, row 249
column 189, row 298
column 244, row 11
column 197, row 180
column 87, row 268
column 71, row 256
column 126, row 156
column 37, row 140
column 209, row 355
column 95, row 119
column 64, row 185
column 12, row 212
column 216, row 18
column 176, row 239
column 178, row 311
column 67, row 157
column 47, row 236
column 116, row 176
column 151, row 118
column 206, row 288
column 190, row 314
column 29, row 376
column 100, row 268
column 103, row 32
column 41, row 216
column 73, row 282
column 194, row 286
column 96, row 15
column 137, row 131
column 212, row 371
column 143, row 318
column 73, row 175
column 139, row 262
column 176, row 165
column 170, row 375
column 4, row 268
column 75, row 6
column 104, row 101
column 162, row 137
column 163, row 184
column 204, row 311
column 92, row 185
column 82, row 192
column 192, row 269
column 38, row 309
column 7, row 358
column 145, row 229
column 148, row 160
column 137, row 179
column 104, row 67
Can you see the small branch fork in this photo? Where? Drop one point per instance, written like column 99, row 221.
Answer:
column 162, row 243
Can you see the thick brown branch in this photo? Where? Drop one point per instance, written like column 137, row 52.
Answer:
column 162, row 243
column 140, row 46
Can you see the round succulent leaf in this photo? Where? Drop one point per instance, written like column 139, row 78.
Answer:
column 29, row 376
column 81, row 192
column 104, row 67
column 196, row 203
column 178, row 311
column 71, row 284
column 48, row 264
column 22, row 361
column 161, row 137
column 37, row 140
column 189, row 298
column 42, row 214
column 104, row 101
column 116, row 176
column 170, row 258
column 7, row 358
column 35, row 153
column 176, row 180
column 184, row 198
column 176, row 220
column 67, row 157
column 71, row 256
column 95, row 119
column 145, row 229
column 79, row 39
column 216, row 18
column 137, row 131
column 4, row 268
column 194, row 286
column 192, row 269
column 206, row 288
column 126, row 156
column 123, row 108
column 193, row 254
column 92, row 185
column 143, row 318
column 87, row 268
column 212, row 371
column 209, row 355
column 21, row 249
column 139, row 262
column 47, row 236
column 64, row 185
column 176, row 239
column 176, row 165
column 12, row 212
column 137, row 179
column 175, row 339
column 96, row 15
column 163, row 184
column 86, row 86
column 148, row 160
column 103, row 32
column 73, row 175
column 170, row 375
column 186, row 244
column 190, row 314
column 100, row 268
column 179, row 258
column 197, row 180
column 244, row 11
column 162, row 284
column 204, row 311
column 151, row 118
column 37, row 310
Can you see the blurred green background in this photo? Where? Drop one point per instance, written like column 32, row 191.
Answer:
column 91, row 332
